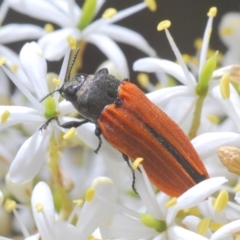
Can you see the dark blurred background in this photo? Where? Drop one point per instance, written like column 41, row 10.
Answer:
column 188, row 19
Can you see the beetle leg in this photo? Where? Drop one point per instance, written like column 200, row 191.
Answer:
column 98, row 133
column 125, row 157
column 64, row 125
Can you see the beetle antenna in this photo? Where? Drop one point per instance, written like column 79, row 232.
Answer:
column 49, row 94
column 72, row 63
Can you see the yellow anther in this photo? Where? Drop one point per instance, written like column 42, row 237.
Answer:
column 6, row 114
column 230, row 158
column 72, row 42
column 56, row 81
column 214, row 226
column 10, row 205
column 152, row 5
column 186, row 58
column 221, row 201
column 236, row 188
column 90, row 194
column 39, row 207
column 14, row 68
column 109, row 13
column 136, row 163
column 163, row 25
column 70, row 133
column 2, row 61
column 226, row 31
column 224, row 86
column 143, row 79
column 198, row 43
column 49, row 28
column 212, row 12
column 158, row 86
column 203, row 226
column 171, row 202
column 213, row 119
column 78, row 202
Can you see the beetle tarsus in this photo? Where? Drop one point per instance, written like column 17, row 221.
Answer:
column 44, row 126
column 125, row 157
column 98, row 133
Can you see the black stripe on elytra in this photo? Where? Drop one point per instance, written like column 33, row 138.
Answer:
column 179, row 158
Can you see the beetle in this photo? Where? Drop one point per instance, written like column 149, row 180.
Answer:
column 136, row 127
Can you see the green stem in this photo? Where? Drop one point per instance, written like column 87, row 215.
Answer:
column 196, row 117
column 61, row 200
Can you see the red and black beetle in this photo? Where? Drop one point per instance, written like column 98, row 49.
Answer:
column 131, row 123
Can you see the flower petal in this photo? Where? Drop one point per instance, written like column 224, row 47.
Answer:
column 102, row 206
column 195, row 195
column 127, row 36
column 54, row 45
column 52, row 11
column 35, row 67
column 227, row 230
column 111, row 50
column 44, row 219
column 20, row 114
column 180, row 233
column 164, row 95
column 207, row 143
column 30, row 157
column 17, row 32
column 158, row 65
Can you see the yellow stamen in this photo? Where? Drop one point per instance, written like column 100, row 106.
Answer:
column 90, row 194
column 143, row 79
column 10, row 205
column 198, row 43
column 70, row 133
column 213, row 119
column 78, row 202
column 56, row 81
column 186, row 58
column 6, row 114
column 49, row 28
column 136, row 163
column 152, row 5
column 214, row 226
column 109, row 13
column 163, row 25
column 72, row 42
column 39, row 207
column 226, row 31
column 236, row 188
column 230, row 158
column 203, row 226
column 14, row 68
column 2, row 61
column 221, row 201
column 171, row 202
column 212, row 12
column 224, row 86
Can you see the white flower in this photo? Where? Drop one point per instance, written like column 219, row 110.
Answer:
column 229, row 32
column 158, row 222
column 33, row 152
column 69, row 16
column 98, row 207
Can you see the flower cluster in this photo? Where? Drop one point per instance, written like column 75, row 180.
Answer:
column 52, row 184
